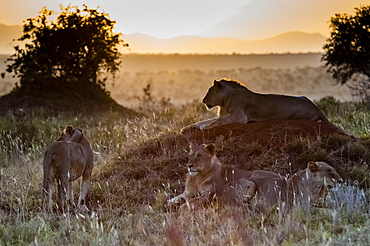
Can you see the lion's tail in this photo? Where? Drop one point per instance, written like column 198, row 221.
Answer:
column 48, row 157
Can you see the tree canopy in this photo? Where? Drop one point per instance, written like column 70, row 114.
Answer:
column 347, row 50
column 76, row 48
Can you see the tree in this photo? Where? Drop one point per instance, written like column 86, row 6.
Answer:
column 347, row 50
column 71, row 51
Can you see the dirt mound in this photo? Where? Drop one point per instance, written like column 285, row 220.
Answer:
column 279, row 146
column 283, row 146
column 55, row 103
column 268, row 133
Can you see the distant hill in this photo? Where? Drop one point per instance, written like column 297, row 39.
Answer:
column 7, row 35
column 293, row 42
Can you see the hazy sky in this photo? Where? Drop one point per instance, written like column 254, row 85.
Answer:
column 249, row 19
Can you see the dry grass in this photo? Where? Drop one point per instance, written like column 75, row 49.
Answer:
column 141, row 164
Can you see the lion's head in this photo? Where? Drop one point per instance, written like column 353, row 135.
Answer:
column 217, row 92
column 323, row 174
column 71, row 134
column 318, row 178
column 200, row 159
column 214, row 96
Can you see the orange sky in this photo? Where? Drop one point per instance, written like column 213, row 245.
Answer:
column 248, row 19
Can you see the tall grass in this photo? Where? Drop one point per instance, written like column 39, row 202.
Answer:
column 139, row 165
column 352, row 117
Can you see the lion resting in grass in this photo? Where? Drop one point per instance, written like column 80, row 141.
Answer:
column 307, row 187
column 209, row 179
column 238, row 104
column 65, row 160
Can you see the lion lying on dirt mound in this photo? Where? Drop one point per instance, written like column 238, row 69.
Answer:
column 238, row 104
column 208, row 179
column 307, row 187
column 66, row 161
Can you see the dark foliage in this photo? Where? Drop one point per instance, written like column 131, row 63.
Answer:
column 347, row 50
column 68, row 54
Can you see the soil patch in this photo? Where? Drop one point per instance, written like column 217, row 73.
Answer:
column 268, row 133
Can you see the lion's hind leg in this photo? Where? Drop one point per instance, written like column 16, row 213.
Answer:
column 63, row 191
column 240, row 191
column 84, row 188
column 48, row 196
column 47, row 189
column 70, row 196
column 246, row 189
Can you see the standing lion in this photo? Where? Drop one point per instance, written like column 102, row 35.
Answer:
column 239, row 104
column 66, row 160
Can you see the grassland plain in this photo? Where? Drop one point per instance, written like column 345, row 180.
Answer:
column 140, row 163
column 185, row 78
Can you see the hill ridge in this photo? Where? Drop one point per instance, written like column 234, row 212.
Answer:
column 289, row 42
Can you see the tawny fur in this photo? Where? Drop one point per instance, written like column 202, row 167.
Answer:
column 64, row 162
column 239, row 104
column 307, row 187
column 209, row 179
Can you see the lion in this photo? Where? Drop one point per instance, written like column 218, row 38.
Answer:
column 65, row 160
column 238, row 104
column 307, row 187
column 208, row 179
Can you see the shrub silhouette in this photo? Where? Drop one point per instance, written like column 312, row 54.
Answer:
column 70, row 53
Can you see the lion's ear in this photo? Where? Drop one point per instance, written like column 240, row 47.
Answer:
column 313, row 167
column 217, row 84
column 79, row 130
column 69, row 130
column 211, row 148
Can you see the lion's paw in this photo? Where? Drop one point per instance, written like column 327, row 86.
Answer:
column 188, row 129
column 83, row 209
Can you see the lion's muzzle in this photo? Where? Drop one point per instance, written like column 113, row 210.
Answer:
column 208, row 105
column 191, row 171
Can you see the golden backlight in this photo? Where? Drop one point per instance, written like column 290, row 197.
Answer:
column 168, row 26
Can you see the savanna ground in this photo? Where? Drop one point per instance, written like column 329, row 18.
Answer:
column 140, row 163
